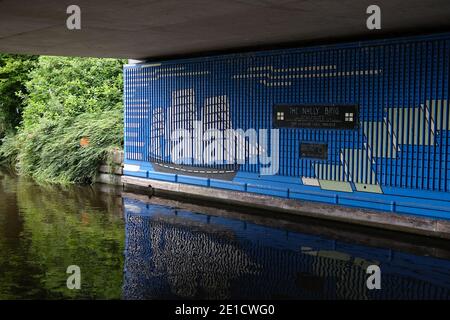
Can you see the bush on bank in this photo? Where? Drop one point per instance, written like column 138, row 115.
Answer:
column 68, row 100
column 51, row 151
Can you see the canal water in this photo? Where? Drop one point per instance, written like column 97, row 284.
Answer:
column 132, row 246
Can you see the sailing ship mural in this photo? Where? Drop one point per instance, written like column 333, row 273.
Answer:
column 180, row 126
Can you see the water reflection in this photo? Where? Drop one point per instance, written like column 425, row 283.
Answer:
column 135, row 247
column 44, row 229
column 173, row 253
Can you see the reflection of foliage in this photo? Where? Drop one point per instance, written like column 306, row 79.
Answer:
column 12, row 270
column 68, row 226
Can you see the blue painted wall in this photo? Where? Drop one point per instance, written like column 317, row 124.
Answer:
column 397, row 159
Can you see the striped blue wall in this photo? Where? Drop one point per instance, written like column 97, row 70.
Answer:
column 397, row 160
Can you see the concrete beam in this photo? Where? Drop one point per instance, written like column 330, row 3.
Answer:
column 137, row 29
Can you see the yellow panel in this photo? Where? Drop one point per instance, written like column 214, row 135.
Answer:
column 373, row 188
column 335, row 185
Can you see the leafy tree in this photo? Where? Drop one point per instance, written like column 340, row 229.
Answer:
column 14, row 73
column 66, row 87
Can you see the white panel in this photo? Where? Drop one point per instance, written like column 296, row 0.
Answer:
column 310, row 182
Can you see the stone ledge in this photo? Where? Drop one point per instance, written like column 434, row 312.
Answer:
column 118, row 170
column 116, row 156
column 379, row 219
column 107, row 178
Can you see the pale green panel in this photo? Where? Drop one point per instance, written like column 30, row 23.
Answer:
column 422, row 128
column 410, row 127
column 373, row 188
column 362, row 161
column 318, row 168
column 412, row 130
column 367, row 163
column 398, row 120
column 359, row 164
column 429, row 136
column 386, row 147
column 382, row 143
column 326, row 171
column 417, row 136
column 440, row 107
column 349, row 156
column 445, row 111
column 335, row 185
column 401, row 122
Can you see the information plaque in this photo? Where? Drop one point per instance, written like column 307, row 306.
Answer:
column 342, row 117
column 314, row 150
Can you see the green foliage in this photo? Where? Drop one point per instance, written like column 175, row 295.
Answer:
column 51, row 151
column 68, row 99
column 14, row 73
column 65, row 87
column 9, row 150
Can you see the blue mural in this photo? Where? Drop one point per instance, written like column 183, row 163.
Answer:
column 396, row 158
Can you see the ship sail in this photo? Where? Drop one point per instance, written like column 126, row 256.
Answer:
column 157, row 133
column 230, row 147
column 216, row 117
column 182, row 115
column 235, row 147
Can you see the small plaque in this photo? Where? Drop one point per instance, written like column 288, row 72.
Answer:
column 343, row 117
column 314, row 150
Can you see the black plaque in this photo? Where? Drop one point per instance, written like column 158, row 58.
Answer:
column 343, row 117
column 314, row 150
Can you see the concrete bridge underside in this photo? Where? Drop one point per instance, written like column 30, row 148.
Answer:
column 164, row 28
